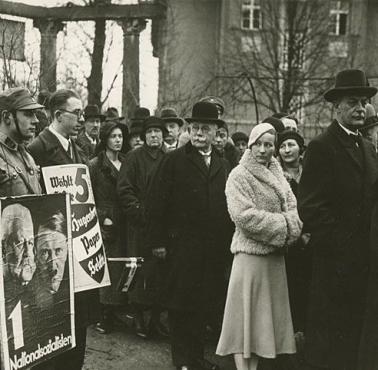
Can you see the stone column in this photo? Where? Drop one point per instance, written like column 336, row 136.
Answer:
column 130, row 85
column 49, row 30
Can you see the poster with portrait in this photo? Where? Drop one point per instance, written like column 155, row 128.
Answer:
column 36, row 279
column 89, row 259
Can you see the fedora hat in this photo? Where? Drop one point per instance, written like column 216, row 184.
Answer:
column 350, row 82
column 113, row 115
column 92, row 111
column 139, row 115
column 205, row 112
column 170, row 115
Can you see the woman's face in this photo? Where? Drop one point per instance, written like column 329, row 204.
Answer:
column 289, row 151
column 115, row 140
column 263, row 149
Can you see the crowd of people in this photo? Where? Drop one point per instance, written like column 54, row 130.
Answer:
column 264, row 243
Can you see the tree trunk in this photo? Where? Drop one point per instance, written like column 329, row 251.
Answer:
column 94, row 81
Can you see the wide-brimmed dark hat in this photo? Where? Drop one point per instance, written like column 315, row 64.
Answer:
column 170, row 115
column 112, row 114
column 152, row 122
column 106, row 128
column 92, row 111
column 205, row 112
column 350, row 82
column 139, row 115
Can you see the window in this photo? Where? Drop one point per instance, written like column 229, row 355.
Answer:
column 339, row 17
column 251, row 15
column 295, row 49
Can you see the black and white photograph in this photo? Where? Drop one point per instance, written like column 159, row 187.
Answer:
column 36, row 313
column 220, row 161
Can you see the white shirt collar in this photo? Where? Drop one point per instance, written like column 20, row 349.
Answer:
column 65, row 142
column 205, row 153
column 349, row 132
column 93, row 141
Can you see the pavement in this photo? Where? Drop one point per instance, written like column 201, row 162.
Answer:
column 123, row 350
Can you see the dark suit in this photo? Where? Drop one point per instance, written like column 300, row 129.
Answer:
column 188, row 216
column 47, row 150
column 334, row 200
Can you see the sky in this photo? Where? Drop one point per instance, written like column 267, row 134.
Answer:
column 70, row 50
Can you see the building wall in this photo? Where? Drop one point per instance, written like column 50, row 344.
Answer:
column 207, row 35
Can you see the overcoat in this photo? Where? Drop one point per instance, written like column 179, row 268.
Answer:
column 334, row 199
column 104, row 183
column 48, row 151
column 86, row 145
column 134, row 181
column 188, row 216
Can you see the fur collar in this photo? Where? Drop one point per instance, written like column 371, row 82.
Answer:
column 272, row 175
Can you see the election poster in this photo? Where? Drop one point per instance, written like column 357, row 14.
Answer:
column 89, row 259
column 36, row 280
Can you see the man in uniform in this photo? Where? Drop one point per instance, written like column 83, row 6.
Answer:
column 335, row 198
column 19, row 174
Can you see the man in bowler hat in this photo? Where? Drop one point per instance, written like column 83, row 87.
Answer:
column 334, row 202
column 89, row 137
column 173, row 124
column 189, row 227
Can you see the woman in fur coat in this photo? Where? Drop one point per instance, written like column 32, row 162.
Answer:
column 257, row 320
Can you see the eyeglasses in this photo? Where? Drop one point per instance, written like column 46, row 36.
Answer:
column 77, row 112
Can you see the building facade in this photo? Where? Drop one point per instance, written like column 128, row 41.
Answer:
column 287, row 51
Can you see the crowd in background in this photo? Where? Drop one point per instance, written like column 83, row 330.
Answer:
column 249, row 238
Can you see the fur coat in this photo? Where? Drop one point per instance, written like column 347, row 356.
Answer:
column 262, row 206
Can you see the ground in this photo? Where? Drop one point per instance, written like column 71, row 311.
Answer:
column 121, row 349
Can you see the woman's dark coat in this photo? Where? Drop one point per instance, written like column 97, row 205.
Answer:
column 135, row 177
column 104, row 183
column 335, row 199
column 188, row 216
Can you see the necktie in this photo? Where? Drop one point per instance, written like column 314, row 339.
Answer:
column 207, row 158
column 356, row 139
column 69, row 151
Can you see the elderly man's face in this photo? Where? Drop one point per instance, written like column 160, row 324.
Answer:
column 18, row 245
column 154, row 137
column 51, row 258
column 351, row 111
column 92, row 127
column 202, row 135
column 173, row 129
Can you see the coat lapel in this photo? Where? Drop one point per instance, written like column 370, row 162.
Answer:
column 343, row 139
column 54, row 148
column 195, row 157
column 216, row 163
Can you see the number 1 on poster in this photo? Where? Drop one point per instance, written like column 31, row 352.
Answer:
column 17, row 328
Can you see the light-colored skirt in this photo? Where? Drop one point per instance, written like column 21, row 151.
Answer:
column 257, row 316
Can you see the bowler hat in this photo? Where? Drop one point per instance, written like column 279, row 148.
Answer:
column 112, row 114
column 205, row 112
column 152, row 122
column 18, row 98
column 350, row 82
column 92, row 111
column 170, row 115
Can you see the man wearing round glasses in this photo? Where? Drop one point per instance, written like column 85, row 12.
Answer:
column 55, row 144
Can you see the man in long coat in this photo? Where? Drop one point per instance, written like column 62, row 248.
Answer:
column 134, row 180
column 189, row 227
column 54, row 146
column 335, row 198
